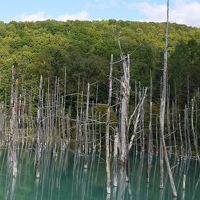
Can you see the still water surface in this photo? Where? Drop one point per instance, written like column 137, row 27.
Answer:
column 63, row 178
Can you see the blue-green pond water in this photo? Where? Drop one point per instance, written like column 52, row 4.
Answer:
column 63, row 177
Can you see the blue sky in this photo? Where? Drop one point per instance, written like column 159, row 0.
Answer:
column 181, row 11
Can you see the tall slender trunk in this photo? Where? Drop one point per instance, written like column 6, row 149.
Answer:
column 108, row 189
column 13, row 126
column 115, row 157
column 39, row 132
column 193, row 132
column 86, row 127
column 163, row 105
column 150, row 136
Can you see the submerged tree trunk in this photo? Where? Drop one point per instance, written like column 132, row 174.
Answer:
column 193, row 132
column 13, row 126
column 39, row 132
column 115, row 157
column 86, row 128
column 125, row 85
column 150, row 138
column 108, row 189
column 163, row 105
column 161, row 164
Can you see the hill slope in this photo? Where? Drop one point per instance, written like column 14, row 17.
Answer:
column 84, row 49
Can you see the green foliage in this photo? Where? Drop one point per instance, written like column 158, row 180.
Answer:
column 185, row 68
column 84, row 49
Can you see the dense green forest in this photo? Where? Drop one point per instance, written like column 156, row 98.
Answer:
column 83, row 48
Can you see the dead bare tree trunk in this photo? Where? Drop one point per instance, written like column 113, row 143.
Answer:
column 193, row 132
column 163, row 105
column 115, row 157
column 13, row 127
column 161, row 164
column 168, row 121
column 138, row 110
column 86, row 127
column 108, row 189
column 181, row 137
column 150, row 137
column 39, row 132
column 77, row 117
column 125, row 86
column 185, row 132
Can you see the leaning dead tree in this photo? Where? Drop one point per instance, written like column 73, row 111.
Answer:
column 163, row 106
column 135, row 118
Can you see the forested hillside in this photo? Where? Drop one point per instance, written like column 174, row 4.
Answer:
column 84, row 49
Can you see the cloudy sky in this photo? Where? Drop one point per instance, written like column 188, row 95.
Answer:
column 181, row 11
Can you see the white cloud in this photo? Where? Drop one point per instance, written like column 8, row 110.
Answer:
column 80, row 16
column 188, row 13
column 41, row 16
column 181, row 11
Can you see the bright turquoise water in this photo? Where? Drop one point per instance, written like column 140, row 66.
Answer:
column 63, row 178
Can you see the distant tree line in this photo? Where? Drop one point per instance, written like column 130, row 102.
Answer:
column 83, row 49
